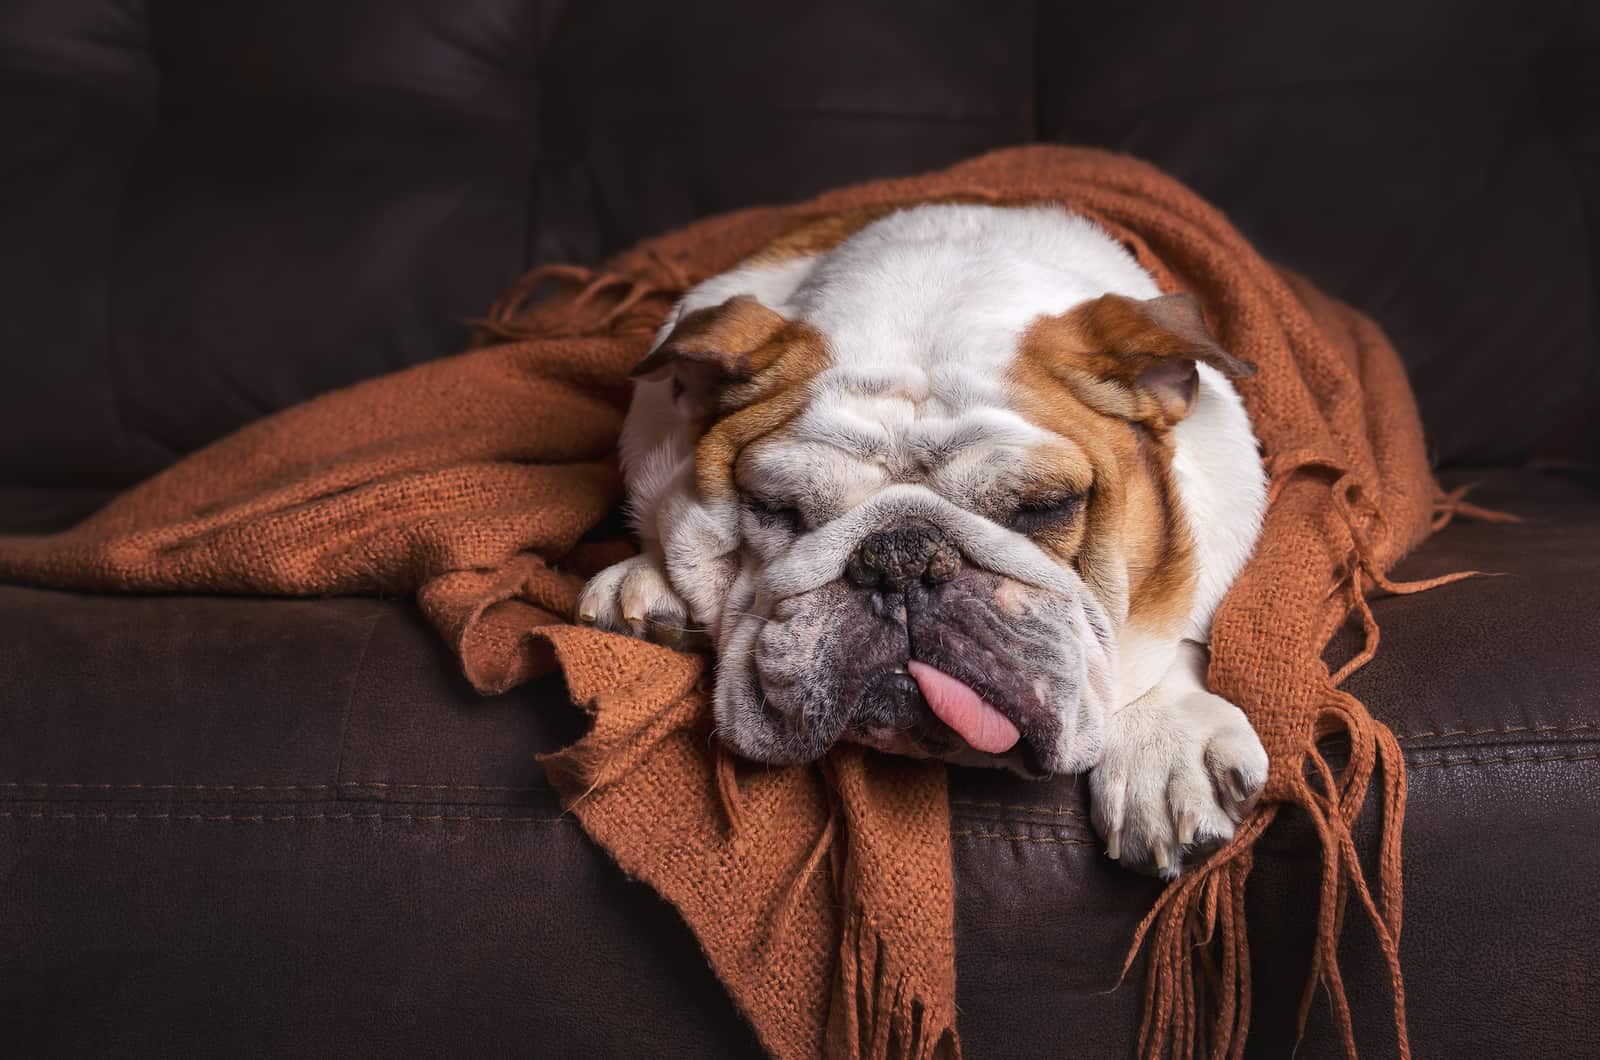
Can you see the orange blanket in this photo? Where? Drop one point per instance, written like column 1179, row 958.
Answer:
column 822, row 896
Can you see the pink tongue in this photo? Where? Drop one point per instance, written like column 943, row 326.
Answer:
column 959, row 707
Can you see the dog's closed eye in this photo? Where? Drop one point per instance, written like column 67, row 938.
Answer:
column 775, row 512
column 1044, row 513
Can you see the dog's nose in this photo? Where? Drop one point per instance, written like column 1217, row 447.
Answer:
column 897, row 558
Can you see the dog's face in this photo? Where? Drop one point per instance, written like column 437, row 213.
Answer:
column 931, row 497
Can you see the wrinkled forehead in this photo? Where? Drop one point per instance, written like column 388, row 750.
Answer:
column 859, row 433
column 921, row 315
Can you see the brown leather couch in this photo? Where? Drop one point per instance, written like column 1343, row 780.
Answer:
column 287, row 827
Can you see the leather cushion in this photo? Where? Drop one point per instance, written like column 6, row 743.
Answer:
column 236, row 817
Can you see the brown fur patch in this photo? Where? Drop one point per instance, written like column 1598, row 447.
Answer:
column 775, row 393
column 720, row 338
column 1134, row 358
column 1132, row 535
column 818, row 236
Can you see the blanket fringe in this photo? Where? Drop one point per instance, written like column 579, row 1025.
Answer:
column 1446, row 506
column 512, row 318
column 875, row 1010
column 729, row 797
column 1198, row 987
column 1199, row 963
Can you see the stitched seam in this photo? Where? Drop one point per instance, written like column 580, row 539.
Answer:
column 1016, row 838
column 1472, row 761
column 1578, row 727
column 964, row 803
column 268, row 819
column 1502, row 760
column 1058, row 811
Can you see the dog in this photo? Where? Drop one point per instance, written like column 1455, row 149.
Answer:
column 954, row 481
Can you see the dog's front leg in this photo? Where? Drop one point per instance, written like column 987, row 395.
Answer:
column 634, row 598
column 1180, row 769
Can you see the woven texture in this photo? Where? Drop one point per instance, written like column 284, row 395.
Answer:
column 821, row 895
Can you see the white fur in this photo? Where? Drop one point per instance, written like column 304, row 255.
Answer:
column 1216, row 466
column 922, row 311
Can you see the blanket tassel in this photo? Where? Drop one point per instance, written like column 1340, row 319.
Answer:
column 1199, row 961
column 876, row 1010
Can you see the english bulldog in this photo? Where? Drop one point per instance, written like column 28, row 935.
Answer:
column 954, row 481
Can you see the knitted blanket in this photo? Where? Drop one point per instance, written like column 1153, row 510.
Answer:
column 821, row 895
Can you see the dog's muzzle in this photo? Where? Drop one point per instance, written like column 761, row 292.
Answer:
column 852, row 660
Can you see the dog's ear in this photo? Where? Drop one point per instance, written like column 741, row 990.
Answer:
column 711, row 348
column 1136, row 358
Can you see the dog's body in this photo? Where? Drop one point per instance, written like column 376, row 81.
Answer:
column 955, row 481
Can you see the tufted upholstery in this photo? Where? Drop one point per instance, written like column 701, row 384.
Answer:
column 286, row 827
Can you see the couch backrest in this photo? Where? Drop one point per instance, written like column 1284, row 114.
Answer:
column 210, row 209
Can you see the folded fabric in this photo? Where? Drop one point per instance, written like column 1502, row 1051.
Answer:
column 821, row 895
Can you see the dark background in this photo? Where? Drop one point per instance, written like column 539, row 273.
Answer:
column 237, row 826
column 210, row 209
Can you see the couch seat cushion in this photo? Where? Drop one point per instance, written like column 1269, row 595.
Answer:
column 226, row 817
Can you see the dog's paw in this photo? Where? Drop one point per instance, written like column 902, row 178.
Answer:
column 634, row 598
column 1174, row 781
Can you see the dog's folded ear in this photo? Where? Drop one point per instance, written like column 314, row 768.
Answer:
column 1136, row 358
column 711, row 348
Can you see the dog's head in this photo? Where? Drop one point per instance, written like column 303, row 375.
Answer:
column 932, row 489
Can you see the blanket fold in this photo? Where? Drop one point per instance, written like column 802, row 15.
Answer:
column 821, row 896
